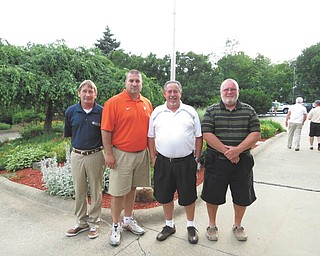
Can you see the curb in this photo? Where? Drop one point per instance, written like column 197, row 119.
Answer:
column 257, row 150
column 149, row 215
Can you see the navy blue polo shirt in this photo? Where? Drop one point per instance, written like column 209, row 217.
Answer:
column 83, row 128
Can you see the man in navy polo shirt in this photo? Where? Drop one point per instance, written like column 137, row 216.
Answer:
column 82, row 124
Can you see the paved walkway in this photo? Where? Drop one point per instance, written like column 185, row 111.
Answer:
column 8, row 134
column 283, row 221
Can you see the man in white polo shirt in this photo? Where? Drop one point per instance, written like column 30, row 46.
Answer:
column 175, row 144
column 295, row 119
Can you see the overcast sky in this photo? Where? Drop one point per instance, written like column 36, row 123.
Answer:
column 277, row 29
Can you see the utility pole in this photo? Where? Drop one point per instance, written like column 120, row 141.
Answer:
column 173, row 55
column 294, row 83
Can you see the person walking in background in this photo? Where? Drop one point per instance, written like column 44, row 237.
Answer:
column 175, row 144
column 230, row 128
column 295, row 118
column 124, row 129
column 275, row 107
column 314, row 117
column 82, row 124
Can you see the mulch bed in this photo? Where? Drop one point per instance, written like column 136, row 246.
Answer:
column 33, row 178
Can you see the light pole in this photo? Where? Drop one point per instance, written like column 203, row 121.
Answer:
column 173, row 56
column 294, row 82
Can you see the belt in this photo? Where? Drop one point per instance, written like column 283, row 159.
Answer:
column 172, row 160
column 139, row 151
column 87, row 152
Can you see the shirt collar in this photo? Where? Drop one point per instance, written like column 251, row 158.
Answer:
column 94, row 108
column 180, row 107
column 127, row 96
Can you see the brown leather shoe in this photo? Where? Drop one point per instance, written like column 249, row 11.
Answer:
column 166, row 232
column 93, row 232
column 76, row 230
column 192, row 235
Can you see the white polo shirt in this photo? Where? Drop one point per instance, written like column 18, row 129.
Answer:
column 297, row 112
column 174, row 132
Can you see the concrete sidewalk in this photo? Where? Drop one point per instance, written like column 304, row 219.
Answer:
column 283, row 221
column 9, row 134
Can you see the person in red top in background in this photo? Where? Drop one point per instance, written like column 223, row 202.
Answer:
column 124, row 128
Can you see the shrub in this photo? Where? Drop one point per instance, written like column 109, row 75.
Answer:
column 55, row 147
column 6, row 115
column 58, row 179
column 57, row 127
column 32, row 130
column 50, row 143
column 277, row 125
column 24, row 158
column 201, row 112
column 4, row 126
column 270, row 128
column 27, row 116
column 267, row 131
column 3, row 141
column 256, row 98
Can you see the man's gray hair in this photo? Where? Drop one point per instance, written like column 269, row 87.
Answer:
column 229, row 80
column 299, row 100
column 317, row 102
column 173, row 82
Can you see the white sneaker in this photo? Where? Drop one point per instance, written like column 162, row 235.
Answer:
column 115, row 235
column 133, row 227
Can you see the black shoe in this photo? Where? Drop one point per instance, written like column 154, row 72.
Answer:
column 192, row 235
column 166, row 232
column 297, row 149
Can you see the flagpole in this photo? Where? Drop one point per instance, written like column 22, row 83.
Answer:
column 173, row 56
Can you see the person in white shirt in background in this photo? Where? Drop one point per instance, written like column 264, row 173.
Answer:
column 314, row 117
column 295, row 119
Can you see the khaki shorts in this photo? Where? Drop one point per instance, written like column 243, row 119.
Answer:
column 132, row 170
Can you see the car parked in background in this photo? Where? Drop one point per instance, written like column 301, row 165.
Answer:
column 283, row 107
column 308, row 106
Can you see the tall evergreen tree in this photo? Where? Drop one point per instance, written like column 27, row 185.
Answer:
column 107, row 43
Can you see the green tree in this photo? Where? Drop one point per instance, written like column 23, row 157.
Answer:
column 308, row 73
column 46, row 77
column 155, row 68
column 107, row 43
column 196, row 75
column 239, row 67
column 281, row 78
column 259, row 100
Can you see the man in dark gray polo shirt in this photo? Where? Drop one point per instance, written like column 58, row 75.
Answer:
column 230, row 129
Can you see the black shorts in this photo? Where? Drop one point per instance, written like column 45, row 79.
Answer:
column 221, row 173
column 177, row 175
column 314, row 129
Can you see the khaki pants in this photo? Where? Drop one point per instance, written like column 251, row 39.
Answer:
column 87, row 171
column 294, row 132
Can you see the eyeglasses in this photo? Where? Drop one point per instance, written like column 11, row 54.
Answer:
column 230, row 90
